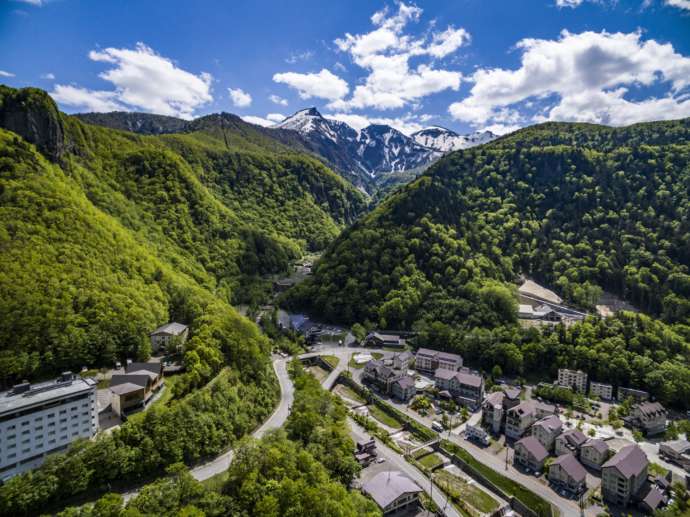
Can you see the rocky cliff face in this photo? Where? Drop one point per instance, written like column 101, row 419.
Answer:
column 33, row 115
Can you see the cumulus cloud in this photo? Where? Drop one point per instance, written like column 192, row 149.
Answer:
column 143, row 80
column 37, row 3
column 48, row 76
column 259, row 121
column 299, row 56
column 325, row 84
column 239, row 98
column 276, row 99
column 3, row 73
column 385, row 53
column 681, row 4
column 406, row 124
column 581, row 77
column 569, row 3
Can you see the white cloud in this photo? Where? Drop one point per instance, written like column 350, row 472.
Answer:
column 569, row 3
column 324, row 85
column 501, row 129
column 37, row 3
column 581, row 77
column 385, row 53
column 239, row 98
column 48, row 76
column 259, row 121
column 89, row 100
column 143, row 80
column 3, row 73
column 681, row 4
column 275, row 117
column 406, row 124
column 275, row 99
column 299, row 56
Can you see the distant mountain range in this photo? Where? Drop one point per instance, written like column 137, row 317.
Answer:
column 362, row 157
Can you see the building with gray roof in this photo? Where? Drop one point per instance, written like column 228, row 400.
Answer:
column 392, row 491
column 170, row 335
column 623, row 476
column 529, row 453
column 566, row 472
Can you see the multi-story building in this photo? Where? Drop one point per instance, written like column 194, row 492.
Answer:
column 404, row 388
column 529, row 453
column 649, row 417
column 380, row 375
column 169, row 336
column 522, row 416
column 566, row 472
column 36, row 420
column 428, row 361
column 496, row 404
column 637, row 396
column 402, row 360
column 623, row 476
column 570, row 442
column 384, row 340
column 546, row 430
column 601, row 390
column 466, row 387
column 134, row 389
column 575, row 379
column 676, row 451
column 594, row 453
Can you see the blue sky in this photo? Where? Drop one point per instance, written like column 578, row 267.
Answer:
column 462, row 64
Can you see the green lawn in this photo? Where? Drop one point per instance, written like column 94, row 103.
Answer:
column 353, row 364
column 430, row 461
column 460, row 491
column 528, row 498
column 331, row 360
column 384, row 417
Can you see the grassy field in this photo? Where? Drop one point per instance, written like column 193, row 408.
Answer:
column 528, row 498
column 331, row 360
column 461, row 491
column 349, row 393
column 353, row 364
column 384, row 417
column 318, row 372
column 430, row 461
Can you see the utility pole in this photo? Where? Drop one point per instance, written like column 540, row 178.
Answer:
column 506, row 458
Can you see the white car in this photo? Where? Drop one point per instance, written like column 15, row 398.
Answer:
column 380, row 460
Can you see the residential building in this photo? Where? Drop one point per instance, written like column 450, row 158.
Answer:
column 38, row 419
column 384, row 340
column 366, row 452
column 652, row 498
column 522, row 416
column 623, row 476
column 493, row 412
column 529, row 453
column 512, row 396
column 466, row 387
column 594, row 453
column 133, row 389
column 570, row 442
column 542, row 312
column 428, row 361
column 392, row 491
column 575, row 379
column 380, row 375
column 649, row 417
column 676, row 451
column 601, row 390
column 403, row 360
column 566, row 472
column 638, row 396
column 546, row 430
column 404, row 388
column 169, row 336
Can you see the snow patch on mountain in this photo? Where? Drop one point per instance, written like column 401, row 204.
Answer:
column 445, row 140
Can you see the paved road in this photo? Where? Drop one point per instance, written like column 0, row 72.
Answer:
column 397, row 462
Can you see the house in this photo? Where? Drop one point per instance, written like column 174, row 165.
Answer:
column 404, row 388
column 402, row 360
column 594, row 452
column 530, row 454
column 380, row 375
column 566, row 472
column 512, row 396
column 170, row 336
column 547, row 430
column 652, row 498
column 623, row 476
column 601, row 390
column 392, row 491
column 466, row 387
column 384, row 340
column 542, row 312
column 677, row 451
column 569, row 442
column 575, row 379
column 638, row 396
column 428, row 361
column 492, row 411
column 649, row 417
column 134, row 389
column 366, row 452
column 522, row 416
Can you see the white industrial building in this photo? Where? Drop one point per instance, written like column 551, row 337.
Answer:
column 36, row 420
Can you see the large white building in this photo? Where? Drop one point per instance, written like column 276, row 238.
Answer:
column 36, row 420
column 576, row 379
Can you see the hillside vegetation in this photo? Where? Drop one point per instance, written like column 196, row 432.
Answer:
column 107, row 234
column 580, row 207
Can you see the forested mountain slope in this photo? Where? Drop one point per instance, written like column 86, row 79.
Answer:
column 580, row 207
column 107, row 234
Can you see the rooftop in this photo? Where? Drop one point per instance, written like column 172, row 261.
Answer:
column 173, row 328
column 629, row 461
column 533, row 447
column 574, row 437
column 551, row 423
column 678, row 446
column 386, row 487
column 600, row 445
column 406, row 382
column 571, row 466
column 36, row 394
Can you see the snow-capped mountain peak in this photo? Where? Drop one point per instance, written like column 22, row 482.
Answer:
column 445, row 140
